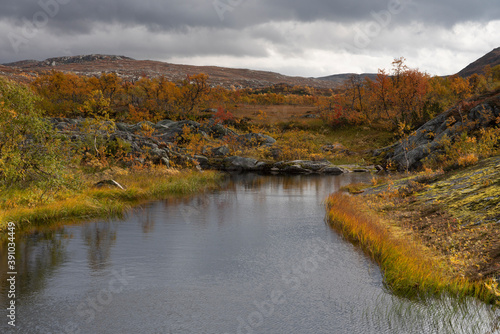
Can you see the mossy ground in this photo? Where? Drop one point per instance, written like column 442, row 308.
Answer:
column 455, row 214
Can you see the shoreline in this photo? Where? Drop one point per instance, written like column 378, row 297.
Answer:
column 109, row 201
column 427, row 235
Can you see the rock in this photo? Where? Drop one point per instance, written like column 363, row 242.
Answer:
column 361, row 170
column 333, row 170
column 242, row 164
column 109, row 182
column 62, row 126
column 220, row 151
column 256, row 139
column 202, row 161
column 296, row 169
column 275, row 152
column 218, row 130
column 311, row 165
column 165, row 161
column 157, row 152
column 123, row 127
column 210, row 110
column 306, row 167
column 164, row 124
column 426, row 141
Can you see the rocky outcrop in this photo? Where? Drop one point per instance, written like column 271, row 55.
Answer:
column 426, row 141
column 256, row 139
column 157, row 143
column 147, row 141
column 241, row 164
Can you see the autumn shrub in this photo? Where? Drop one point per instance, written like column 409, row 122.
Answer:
column 223, row 116
column 94, row 145
column 465, row 149
column 192, row 142
column 31, row 153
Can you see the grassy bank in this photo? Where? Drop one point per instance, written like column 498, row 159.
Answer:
column 92, row 202
column 410, row 269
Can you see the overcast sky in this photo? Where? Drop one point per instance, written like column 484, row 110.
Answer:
column 294, row 37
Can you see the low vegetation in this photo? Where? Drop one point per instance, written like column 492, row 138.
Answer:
column 89, row 201
column 410, row 269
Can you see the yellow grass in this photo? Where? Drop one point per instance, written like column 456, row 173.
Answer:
column 91, row 202
column 409, row 269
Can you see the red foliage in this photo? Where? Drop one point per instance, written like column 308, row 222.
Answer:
column 223, row 116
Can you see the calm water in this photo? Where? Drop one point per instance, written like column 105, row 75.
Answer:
column 256, row 257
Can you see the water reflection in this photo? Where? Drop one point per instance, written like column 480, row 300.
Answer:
column 100, row 238
column 434, row 315
column 37, row 258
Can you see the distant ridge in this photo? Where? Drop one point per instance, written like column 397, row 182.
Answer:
column 477, row 67
column 67, row 60
column 131, row 69
column 340, row 78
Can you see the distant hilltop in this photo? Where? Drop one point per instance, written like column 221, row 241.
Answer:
column 67, row 60
column 340, row 78
column 491, row 58
column 131, row 69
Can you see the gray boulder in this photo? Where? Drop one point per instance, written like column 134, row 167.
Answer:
column 243, row 164
column 202, row 161
column 425, row 142
column 220, row 151
column 333, row 170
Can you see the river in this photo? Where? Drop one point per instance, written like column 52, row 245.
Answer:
column 254, row 257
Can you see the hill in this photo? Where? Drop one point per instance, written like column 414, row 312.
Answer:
column 132, row 69
column 340, row 78
column 491, row 58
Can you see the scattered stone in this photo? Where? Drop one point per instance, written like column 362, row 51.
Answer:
column 109, row 182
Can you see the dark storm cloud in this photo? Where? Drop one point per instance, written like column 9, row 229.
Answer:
column 77, row 16
column 300, row 37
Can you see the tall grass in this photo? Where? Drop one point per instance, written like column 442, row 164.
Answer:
column 91, row 202
column 409, row 269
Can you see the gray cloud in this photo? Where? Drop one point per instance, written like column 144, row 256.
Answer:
column 300, row 37
column 80, row 16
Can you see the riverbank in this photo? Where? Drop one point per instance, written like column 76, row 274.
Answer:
column 91, row 200
column 430, row 232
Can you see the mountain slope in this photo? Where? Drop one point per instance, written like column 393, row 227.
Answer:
column 491, row 58
column 132, row 69
column 340, row 78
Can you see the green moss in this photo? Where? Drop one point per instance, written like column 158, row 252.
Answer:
column 471, row 194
